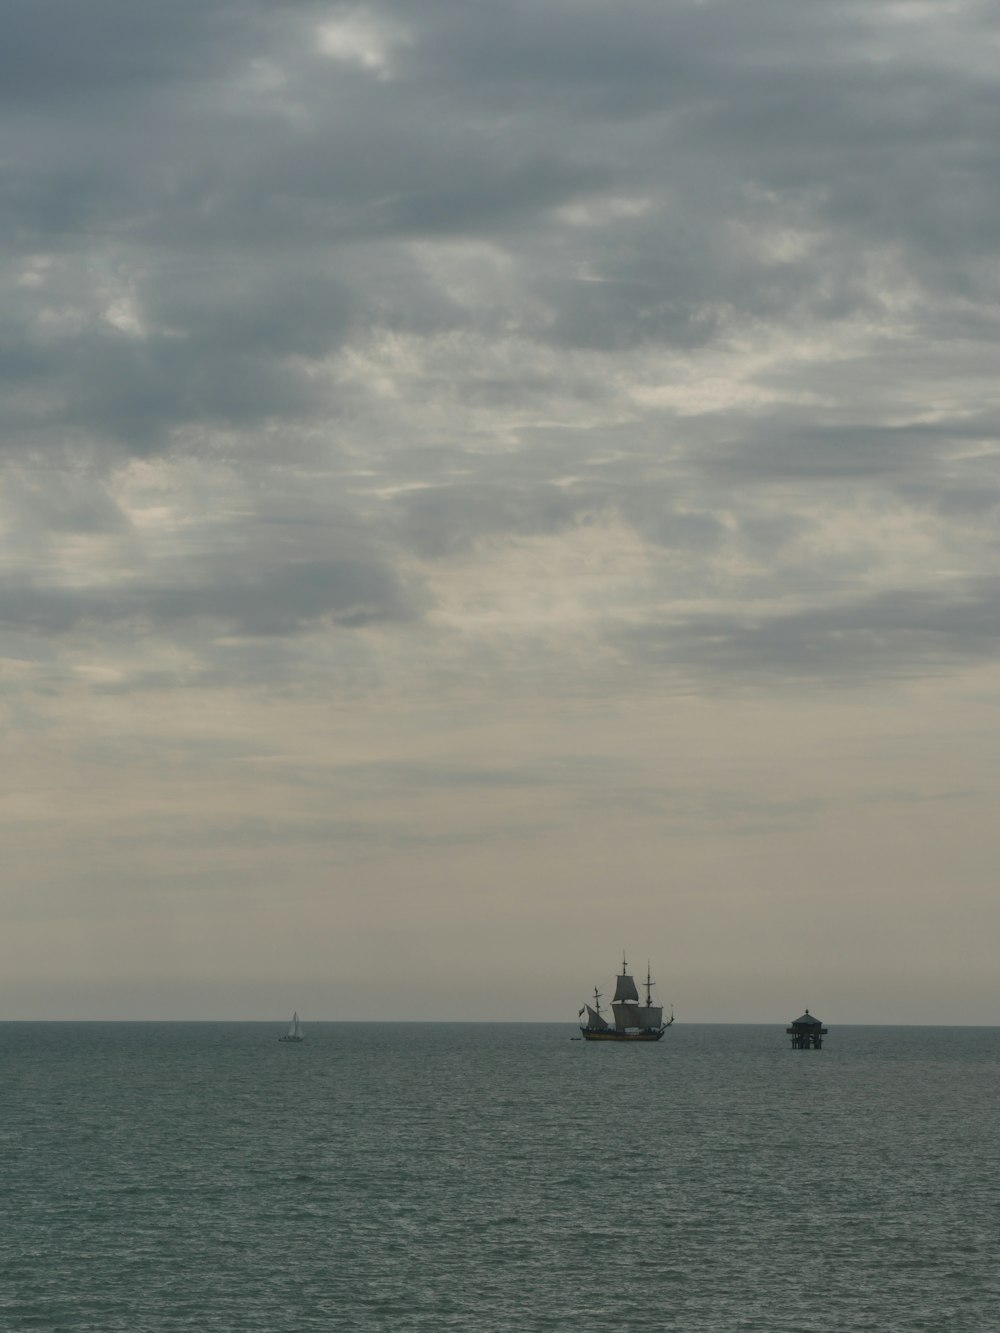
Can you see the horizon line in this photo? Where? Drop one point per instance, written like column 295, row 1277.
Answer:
column 471, row 1022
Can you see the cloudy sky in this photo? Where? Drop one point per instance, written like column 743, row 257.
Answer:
column 489, row 485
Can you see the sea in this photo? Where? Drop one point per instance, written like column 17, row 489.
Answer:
column 172, row 1177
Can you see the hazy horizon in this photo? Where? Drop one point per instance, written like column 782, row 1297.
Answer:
column 487, row 487
column 280, row 1023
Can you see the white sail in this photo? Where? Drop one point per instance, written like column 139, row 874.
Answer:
column 626, row 1015
column 625, row 988
column 651, row 1016
column 294, row 1032
column 595, row 1020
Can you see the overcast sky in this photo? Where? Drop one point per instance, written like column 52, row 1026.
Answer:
column 489, row 485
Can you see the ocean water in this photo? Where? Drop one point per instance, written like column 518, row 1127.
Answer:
column 160, row 1177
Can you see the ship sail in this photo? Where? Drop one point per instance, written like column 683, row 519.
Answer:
column 625, row 986
column 650, row 1015
column 594, row 1020
column 626, row 1015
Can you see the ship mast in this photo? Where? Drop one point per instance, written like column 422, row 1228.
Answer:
column 597, row 1002
column 649, row 985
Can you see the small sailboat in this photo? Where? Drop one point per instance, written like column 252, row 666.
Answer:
column 633, row 1021
column 294, row 1032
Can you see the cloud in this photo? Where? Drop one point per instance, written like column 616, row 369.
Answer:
column 361, row 39
column 379, row 378
column 350, row 594
column 901, row 635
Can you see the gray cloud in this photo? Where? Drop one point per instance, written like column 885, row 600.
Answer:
column 426, row 385
column 278, row 601
column 901, row 634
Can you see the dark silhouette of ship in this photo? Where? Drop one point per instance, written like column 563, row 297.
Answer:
column 632, row 1021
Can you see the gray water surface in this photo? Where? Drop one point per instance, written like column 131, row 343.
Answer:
column 160, row 1177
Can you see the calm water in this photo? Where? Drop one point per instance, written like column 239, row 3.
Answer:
column 489, row 1177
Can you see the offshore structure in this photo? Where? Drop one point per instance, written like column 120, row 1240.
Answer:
column 633, row 1021
column 807, row 1033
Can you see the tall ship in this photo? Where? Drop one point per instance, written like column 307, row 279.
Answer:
column 632, row 1021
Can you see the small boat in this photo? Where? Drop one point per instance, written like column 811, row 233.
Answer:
column 633, row 1021
column 294, row 1032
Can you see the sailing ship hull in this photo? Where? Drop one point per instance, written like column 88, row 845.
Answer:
column 291, row 1038
column 612, row 1035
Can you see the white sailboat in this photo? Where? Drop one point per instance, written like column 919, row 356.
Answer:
column 294, row 1032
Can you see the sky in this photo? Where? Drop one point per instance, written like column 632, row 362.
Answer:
column 489, row 486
